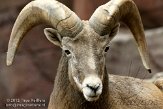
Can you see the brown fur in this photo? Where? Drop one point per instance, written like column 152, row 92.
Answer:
column 86, row 57
column 122, row 93
column 66, row 96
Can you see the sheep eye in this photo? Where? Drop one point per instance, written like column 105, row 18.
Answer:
column 107, row 48
column 67, row 52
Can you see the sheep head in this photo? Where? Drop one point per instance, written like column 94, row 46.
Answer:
column 84, row 43
column 86, row 58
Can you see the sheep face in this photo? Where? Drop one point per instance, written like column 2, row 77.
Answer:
column 86, row 60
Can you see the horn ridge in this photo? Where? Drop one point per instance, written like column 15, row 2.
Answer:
column 108, row 15
column 50, row 12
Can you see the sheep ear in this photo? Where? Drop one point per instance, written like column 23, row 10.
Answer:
column 53, row 36
column 114, row 31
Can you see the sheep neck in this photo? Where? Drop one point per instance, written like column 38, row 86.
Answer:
column 65, row 96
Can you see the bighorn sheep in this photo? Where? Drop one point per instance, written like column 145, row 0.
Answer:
column 82, row 81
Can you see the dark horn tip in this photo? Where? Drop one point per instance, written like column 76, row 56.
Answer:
column 149, row 70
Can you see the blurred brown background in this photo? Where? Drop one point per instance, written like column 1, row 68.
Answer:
column 32, row 74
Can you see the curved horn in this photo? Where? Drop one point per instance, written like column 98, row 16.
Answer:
column 49, row 12
column 108, row 15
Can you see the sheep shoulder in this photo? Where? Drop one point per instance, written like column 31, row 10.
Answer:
column 133, row 93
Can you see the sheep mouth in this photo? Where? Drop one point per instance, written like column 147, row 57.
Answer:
column 91, row 98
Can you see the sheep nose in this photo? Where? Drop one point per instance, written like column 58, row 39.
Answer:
column 94, row 88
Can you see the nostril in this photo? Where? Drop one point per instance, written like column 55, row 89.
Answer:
column 97, row 86
column 94, row 87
